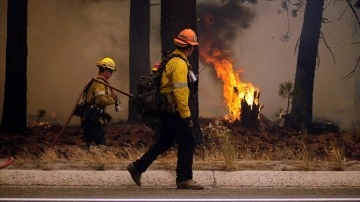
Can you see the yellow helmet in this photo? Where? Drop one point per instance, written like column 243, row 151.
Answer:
column 106, row 63
column 185, row 38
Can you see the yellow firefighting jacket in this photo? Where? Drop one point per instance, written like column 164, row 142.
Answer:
column 174, row 80
column 100, row 95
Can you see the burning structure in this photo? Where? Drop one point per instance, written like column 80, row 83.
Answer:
column 217, row 27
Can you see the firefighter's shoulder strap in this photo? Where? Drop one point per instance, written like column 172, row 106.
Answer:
column 169, row 56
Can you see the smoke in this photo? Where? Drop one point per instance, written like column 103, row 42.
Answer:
column 219, row 23
column 255, row 45
column 65, row 39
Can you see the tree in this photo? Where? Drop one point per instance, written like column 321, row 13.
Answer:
column 302, row 102
column 176, row 16
column 286, row 92
column 357, row 95
column 14, row 106
column 139, row 48
column 303, row 97
column 354, row 72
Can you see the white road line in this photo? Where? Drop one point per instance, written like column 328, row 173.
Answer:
column 222, row 200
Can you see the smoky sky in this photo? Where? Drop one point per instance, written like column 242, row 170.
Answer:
column 67, row 37
column 220, row 22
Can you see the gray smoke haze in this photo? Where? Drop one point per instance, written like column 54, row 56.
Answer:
column 67, row 37
column 266, row 61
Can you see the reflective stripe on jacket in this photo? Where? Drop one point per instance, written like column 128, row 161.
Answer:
column 174, row 80
column 99, row 94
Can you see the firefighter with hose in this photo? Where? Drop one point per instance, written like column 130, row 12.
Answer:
column 97, row 97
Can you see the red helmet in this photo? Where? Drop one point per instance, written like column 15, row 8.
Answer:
column 155, row 67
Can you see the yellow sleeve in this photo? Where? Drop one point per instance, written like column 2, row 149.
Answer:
column 181, row 91
column 102, row 95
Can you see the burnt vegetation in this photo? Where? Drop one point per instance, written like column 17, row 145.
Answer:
column 221, row 141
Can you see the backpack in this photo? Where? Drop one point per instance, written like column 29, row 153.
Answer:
column 147, row 99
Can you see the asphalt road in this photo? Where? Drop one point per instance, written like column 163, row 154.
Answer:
column 133, row 193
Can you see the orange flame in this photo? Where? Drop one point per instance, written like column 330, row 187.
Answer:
column 234, row 90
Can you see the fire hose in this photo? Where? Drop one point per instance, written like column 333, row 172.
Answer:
column 112, row 87
column 7, row 163
column 77, row 102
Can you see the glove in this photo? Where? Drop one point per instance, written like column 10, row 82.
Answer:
column 118, row 107
column 188, row 123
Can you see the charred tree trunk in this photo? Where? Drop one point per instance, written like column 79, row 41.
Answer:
column 176, row 16
column 250, row 113
column 302, row 102
column 15, row 100
column 139, row 49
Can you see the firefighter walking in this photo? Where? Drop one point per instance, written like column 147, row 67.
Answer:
column 175, row 117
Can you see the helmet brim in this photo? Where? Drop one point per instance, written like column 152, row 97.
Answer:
column 105, row 67
column 182, row 43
